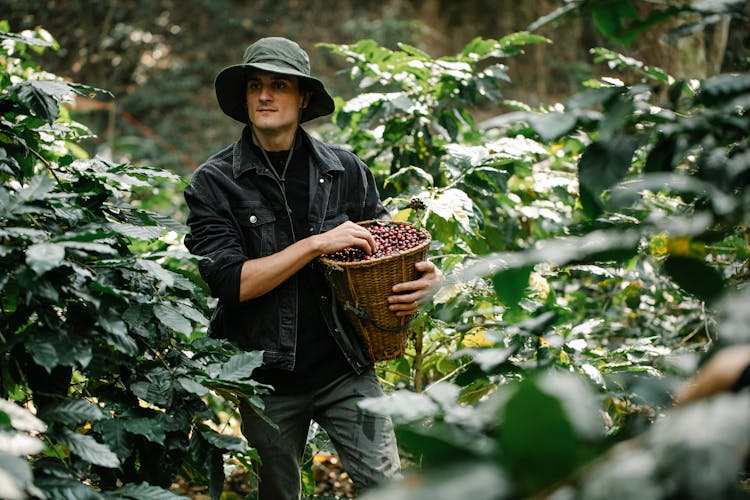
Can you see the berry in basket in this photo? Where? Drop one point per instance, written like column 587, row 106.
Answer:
column 390, row 238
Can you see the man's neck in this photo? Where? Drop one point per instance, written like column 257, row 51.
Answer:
column 274, row 142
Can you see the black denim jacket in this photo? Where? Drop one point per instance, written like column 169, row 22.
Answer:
column 238, row 212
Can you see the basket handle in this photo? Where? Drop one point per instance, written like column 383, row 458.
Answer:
column 361, row 313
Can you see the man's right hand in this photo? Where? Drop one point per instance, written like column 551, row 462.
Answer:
column 344, row 236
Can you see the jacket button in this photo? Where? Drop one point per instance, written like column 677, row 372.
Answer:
column 253, row 219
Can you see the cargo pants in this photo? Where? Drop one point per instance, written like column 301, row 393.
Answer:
column 366, row 443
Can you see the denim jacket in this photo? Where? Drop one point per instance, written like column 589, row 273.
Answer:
column 237, row 211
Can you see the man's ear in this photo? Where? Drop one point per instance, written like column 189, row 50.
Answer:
column 306, row 99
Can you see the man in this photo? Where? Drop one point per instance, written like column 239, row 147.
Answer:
column 261, row 211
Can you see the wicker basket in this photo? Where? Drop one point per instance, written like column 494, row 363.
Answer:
column 362, row 289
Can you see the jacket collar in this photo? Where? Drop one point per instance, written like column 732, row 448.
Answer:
column 244, row 158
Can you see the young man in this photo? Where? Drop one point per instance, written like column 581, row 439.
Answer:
column 261, row 211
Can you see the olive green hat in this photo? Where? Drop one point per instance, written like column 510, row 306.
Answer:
column 277, row 55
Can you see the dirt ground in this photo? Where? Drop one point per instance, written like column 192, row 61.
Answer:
column 330, row 481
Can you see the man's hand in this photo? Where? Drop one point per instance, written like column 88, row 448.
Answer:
column 344, row 236
column 410, row 296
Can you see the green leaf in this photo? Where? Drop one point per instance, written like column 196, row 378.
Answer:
column 662, row 156
column 38, row 188
column 695, row 276
column 720, row 88
column 192, row 314
column 27, row 40
column 224, row 441
column 51, row 349
column 118, row 335
column 402, row 405
column 63, row 488
column 413, row 51
column 240, row 366
column 72, row 412
column 170, row 317
column 143, row 491
column 20, row 418
column 538, row 444
column 551, row 126
column 146, row 233
column 166, row 222
column 19, row 444
column 215, row 469
column 425, row 178
column 608, row 17
column 441, row 444
column 364, row 101
column 735, row 316
column 89, row 449
column 156, row 389
column 454, row 204
column 603, row 164
column 150, row 428
column 37, row 101
column 157, row 271
column 511, row 284
column 88, row 246
column 117, row 438
column 192, row 386
column 15, row 477
column 42, row 257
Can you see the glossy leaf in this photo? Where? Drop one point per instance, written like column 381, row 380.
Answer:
column 89, row 449
column 602, row 165
column 143, row 491
column 37, row 100
column 695, row 276
column 73, row 412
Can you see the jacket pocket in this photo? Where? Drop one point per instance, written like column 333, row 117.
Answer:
column 332, row 220
column 258, row 230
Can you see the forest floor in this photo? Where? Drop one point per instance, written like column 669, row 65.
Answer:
column 331, row 481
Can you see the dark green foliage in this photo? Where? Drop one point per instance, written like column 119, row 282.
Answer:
column 594, row 251
column 102, row 312
column 589, row 249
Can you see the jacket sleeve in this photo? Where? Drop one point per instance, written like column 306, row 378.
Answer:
column 214, row 236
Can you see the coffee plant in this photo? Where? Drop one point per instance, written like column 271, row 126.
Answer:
column 102, row 314
column 595, row 251
column 391, row 239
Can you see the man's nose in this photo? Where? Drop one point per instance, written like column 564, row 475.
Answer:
column 264, row 94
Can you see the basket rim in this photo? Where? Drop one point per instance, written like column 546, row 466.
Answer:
column 379, row 260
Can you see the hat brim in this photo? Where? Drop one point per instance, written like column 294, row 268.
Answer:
column 231, row 82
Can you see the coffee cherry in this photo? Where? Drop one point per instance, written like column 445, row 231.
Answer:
column 390, row 238
column 416, row 204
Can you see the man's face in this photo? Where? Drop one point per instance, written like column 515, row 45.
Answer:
column 273, row 101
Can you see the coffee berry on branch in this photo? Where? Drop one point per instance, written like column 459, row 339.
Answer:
column 390, row 239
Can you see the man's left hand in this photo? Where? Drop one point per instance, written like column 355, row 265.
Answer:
column 409, row 296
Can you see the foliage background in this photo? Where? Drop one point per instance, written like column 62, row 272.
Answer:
column 159, row 59
column 595, row 248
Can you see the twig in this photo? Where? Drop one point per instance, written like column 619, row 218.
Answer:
column 418, row 360
column 46, row 164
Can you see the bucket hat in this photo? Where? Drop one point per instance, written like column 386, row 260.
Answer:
column 277, row 55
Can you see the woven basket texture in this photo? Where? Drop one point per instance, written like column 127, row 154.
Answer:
column 362, row 289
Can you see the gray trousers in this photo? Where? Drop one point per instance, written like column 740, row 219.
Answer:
column 365, row 443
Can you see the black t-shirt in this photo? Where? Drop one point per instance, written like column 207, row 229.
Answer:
column 318, row 359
